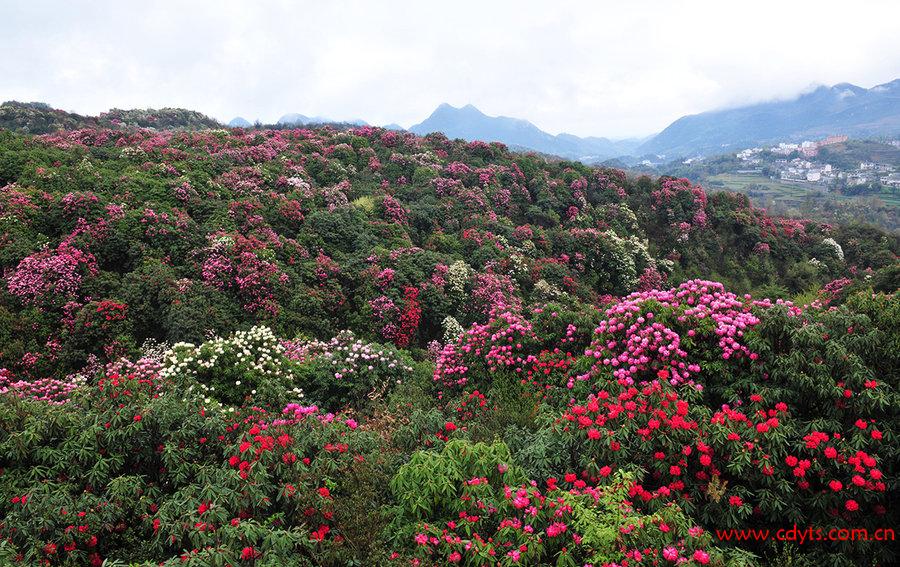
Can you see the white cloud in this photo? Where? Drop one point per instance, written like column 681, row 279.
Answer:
column 591, row 68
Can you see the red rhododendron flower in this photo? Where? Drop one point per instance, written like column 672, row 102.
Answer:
column 319, row 534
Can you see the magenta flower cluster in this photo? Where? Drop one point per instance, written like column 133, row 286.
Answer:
column 49, row 390
column 632, row 342
column 51, row 275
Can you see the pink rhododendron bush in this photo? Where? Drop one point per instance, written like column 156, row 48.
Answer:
column 352, row 346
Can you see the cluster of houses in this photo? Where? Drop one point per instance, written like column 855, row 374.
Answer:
column 799, row 169
column 807, row 148
column 805, row 169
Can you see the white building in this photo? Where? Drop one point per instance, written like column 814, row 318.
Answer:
column 784, row 149
column 892, row 180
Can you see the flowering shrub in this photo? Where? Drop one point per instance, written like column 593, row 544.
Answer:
column 680, row 203
column 131, row 469
column 49, row 390
column 638, row 336
column 398, row 325
column 495, row 344
column 50, row 277
column 534, row 349
column 610, row 262
column 247, row 365
column 468, row 505
column 394, row 210
column 759, row 445
column 347, row 370
column 833, row 290
column 234, row 265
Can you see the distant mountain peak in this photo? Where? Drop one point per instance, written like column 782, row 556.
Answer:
column 293, row 118
column 470, row 123
column 447, row 108
column 239, row 122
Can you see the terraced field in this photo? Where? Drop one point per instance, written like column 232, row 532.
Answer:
column 765, row 191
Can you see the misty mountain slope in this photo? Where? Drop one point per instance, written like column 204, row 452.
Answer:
column 840, row 109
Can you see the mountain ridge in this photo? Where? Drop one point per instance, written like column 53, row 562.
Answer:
column 469, row 123
column 842, row 108
column 41, row 118
column 296, row 119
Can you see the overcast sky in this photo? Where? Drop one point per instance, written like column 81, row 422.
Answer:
column 590, row 68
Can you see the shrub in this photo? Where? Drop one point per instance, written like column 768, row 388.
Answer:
column 470, row 504
column 347, row 370
column 248, row 365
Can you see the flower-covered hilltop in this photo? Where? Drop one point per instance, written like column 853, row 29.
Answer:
column 359, row 346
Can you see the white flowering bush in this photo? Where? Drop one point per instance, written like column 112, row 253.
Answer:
column 458, row 276
column 247, row 365
column 838, row 251
column 518, row 268
column 619, row 259
column 452, row 328
column 348, row 370
column 545, row 291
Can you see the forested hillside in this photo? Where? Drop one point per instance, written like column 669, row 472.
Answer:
column 360, row 346
column 41, row 118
